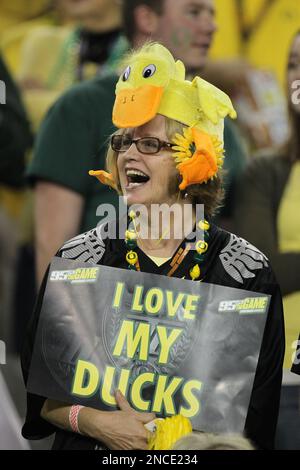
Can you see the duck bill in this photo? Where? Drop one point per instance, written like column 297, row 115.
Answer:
column 135, row 107
column 104, row 178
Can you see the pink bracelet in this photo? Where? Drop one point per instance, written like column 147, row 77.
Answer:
column 73, row 417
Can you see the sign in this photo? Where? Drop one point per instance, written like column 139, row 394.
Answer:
column 170, row 345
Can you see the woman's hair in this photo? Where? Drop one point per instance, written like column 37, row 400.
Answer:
column 207, row 441
column 210, row 194
column 128, row 14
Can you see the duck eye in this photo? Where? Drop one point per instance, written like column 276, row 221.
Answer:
column 149, row 71
column 126, row 74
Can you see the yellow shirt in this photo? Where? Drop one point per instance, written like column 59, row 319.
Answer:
column 158, row 260
column 288, row 224
column 40, row 53
column 17, row 11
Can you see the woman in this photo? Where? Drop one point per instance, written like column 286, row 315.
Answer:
column 168, row 150
column 267, row 208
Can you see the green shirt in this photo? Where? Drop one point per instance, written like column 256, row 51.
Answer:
column 73, row 139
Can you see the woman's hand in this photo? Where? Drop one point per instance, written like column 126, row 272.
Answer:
column 118, row 430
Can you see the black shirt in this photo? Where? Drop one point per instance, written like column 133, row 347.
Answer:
column 230, row 261
column 296, row 364
column 15, row 134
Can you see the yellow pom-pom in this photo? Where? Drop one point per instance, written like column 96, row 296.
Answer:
column 168, row 431
column 195, row 272
column 130, row 235
column 132, row 215
column 201, row 247
column 131, row 258
column 204, row 225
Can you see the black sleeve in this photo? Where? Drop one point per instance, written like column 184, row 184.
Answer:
column 34, row 427
column 263, row 409
column 15, row 134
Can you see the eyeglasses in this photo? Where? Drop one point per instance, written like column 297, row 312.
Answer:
column 147, row 145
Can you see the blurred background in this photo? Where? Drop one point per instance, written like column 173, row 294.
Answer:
column 46, row 49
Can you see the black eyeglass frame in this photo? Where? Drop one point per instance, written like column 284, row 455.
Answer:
column 161, row 144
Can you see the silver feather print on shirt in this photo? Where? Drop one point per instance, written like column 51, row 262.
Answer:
column 239, row 259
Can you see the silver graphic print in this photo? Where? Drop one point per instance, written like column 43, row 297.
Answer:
column 239, row 259
column 87, row 247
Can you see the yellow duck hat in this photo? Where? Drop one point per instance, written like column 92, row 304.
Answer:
column 154, row 83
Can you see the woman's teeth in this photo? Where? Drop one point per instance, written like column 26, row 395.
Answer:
column 136, row 178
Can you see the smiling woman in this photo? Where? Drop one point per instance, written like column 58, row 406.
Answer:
column 210, row 195
column 168, row 151
column 157, row 169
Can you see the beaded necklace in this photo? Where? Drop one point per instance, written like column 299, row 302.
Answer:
column 201, row 248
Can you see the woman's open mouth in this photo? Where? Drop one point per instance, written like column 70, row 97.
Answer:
column 136, row 178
